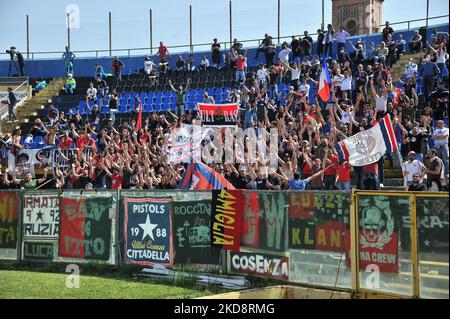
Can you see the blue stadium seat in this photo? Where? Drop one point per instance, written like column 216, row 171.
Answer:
column 122, row 108
column 147, row 108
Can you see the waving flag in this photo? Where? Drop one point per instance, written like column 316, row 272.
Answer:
column 368, row 146
column 139, row 120
column 324, row 82
column 199, row 176
column 397, row 95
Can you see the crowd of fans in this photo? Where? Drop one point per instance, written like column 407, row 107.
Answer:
column 108, row 155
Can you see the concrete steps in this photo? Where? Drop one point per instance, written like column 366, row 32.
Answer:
column 30, row 108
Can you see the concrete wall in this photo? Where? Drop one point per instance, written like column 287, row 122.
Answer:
column 86, row 66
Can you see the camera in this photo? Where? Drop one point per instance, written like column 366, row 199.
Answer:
column 12, row 53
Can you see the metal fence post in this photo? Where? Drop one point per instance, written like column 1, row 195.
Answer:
column 354, row 242
column 414, row 247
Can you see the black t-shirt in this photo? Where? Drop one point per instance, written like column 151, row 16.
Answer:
column 432, row 166
column 215, row 48
column 113, row 102
column 261, row 183
column 274, row 181
column 421, row 187
column 415, row 142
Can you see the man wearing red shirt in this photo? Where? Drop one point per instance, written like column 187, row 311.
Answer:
column 162, row 51
column 370, row 179
column 343, row 177
column 241, row 63
column 86, row 141
column 330, row 161
column 66, row 142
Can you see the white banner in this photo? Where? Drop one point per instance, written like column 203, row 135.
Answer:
column 28, row 160
column 365, row 147
column 184, row 143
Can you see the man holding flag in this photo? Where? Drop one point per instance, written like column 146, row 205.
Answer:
column 366, row 148
column 324, row 82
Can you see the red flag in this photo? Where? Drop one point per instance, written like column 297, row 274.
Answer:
column 139, row 121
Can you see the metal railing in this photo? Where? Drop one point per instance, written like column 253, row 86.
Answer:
column 22, row 92
column 187, row 47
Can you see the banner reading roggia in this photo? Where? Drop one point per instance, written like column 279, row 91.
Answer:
column 9, row 213
column 85, row 227
column 192, row 234
column 228, row 207
column 41, row 216
column 218, row 115
column 148, row 231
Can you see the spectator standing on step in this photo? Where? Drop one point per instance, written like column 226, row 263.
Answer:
column 328, row 41
column 68, row 58
column 99, row 72
column 440, row 137
column 341, row 37
column 412, row 167
column 434, row 171
column 386, row 31
column 429, row 72
column 163, row 52
column 215, row 53
column 11, row 105
column 117, row 67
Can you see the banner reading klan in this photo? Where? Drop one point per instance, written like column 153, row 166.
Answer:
column 218, row 115
column 184, row 144
column 40, row 216
column 378, row 234
column 85, row 227
column 148, row 231
column 368, row 146
column 227, row 209
column 9, row 214
column 318, row 220
column 192, row 233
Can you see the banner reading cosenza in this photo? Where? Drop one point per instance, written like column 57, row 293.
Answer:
column 147, row 231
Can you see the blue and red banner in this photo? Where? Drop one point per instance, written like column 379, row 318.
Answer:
column 199, row 176
column 368, row 146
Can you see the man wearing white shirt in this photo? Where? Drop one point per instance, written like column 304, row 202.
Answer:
column 410, row 69
column 411, row 167
column 380, row 98
column 284, row 53
column 295, row 74
column 346, row 84
column 305, row 87
column 440, row 137
column 91, row 93
column 262, row 76
column 341, row 37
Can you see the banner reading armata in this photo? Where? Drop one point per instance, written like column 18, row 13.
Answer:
column 192, row 234
column 9, row 213
column 85, row 227
column 227, row 210
column 148, row 231
column 41, row 216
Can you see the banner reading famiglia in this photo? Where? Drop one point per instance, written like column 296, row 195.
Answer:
column 218, row 115
column 227, row 209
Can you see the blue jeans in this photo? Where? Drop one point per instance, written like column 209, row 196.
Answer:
column 11, row 112
column 443, row 155
column 344, row 186
column 370, row 181
column 329, row 182
column 240, row 75
column 419, row 157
